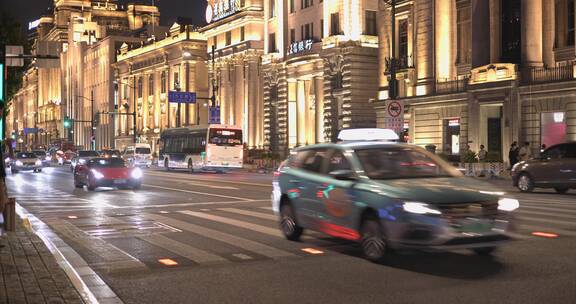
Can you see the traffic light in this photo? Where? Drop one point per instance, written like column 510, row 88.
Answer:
column 67, row 122
column 96, row 119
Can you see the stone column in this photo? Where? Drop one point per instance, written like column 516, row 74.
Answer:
column 239, row 94
column 254, row 103
column 301, row 109
column 444, row 38
column 495, row 30
column 548, row 32
column 531, row 33
column 319, row 93
column 383, row 23
column 424, row 47
column 480, row 33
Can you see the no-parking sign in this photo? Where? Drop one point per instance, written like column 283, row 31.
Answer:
column 394, row 115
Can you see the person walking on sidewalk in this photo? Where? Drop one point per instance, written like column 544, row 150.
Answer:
column 482, row 154
column 513, row 154
column 525, row 152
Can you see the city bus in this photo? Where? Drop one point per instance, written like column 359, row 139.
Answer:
column 216, row 147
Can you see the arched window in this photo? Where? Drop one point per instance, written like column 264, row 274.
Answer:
column 139, row 87
column 163, row 83
column 151, row 85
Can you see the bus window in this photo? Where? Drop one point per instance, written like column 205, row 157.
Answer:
column 225, row 137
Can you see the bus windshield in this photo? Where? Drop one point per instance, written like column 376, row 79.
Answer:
column 225, row 137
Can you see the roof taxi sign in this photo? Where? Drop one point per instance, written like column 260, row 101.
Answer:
column 221, row 9
column 300, row 47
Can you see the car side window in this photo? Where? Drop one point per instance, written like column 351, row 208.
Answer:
column 556, row 152
column 314, row 161
column 570, row 151
column 338, row 162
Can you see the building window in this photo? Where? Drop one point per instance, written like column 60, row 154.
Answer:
column 151, row 85
column 176, row 81
column 292, row 36
column 321, row 27
column 272, row 7
column 139, row 86
column 242, row 34
column 464, row 39
column 452, row 136
column 272, row 43
column 403, row 42
column 370, row 23
column 570, row 23
column 553, row 128
column 228, row 38
column 163, row 82
column 511, row 31
column 335, row 24
column 292, row 7
column 307, row 31
column 125, row 89
column 306, row 3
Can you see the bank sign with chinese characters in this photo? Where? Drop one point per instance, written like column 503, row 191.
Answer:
column 222, row 9
column 300, row 47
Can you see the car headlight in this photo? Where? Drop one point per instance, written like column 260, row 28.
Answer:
column 48, row 158
column 508, row 204
column 419, row 208
column 97, row 174
column 82, row 161
column 137, row 173
column 38, row 163
column 19, row 163
column 7, row 159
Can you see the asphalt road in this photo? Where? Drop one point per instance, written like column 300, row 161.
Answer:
column 220, row 231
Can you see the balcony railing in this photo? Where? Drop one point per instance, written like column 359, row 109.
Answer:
column 452, row 86
column 402, row 63
column 544, row 75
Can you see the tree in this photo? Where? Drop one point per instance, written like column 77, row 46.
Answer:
column 12, row 33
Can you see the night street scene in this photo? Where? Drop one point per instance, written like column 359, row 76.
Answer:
column 287, row 151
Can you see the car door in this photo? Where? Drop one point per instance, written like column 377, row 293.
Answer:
column 568, row 169
column 334, row 192
column 547, row 171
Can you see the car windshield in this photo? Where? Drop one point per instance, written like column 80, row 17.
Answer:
column 26, row 155
column 401, row 163
column 39, row 153
column 88, row 154
column 107, row 163
column 142, row 150
column 113, row 153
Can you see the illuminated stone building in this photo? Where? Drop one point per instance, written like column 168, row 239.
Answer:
column 482, row 72
column 175, row 62
column 319, row 69
column 235, row 29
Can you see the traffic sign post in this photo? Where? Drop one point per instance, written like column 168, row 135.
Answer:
column 394, row 115
column 215, row 115
column 181, row 97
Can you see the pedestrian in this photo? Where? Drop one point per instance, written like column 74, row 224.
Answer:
column 513, row 154
column 482, row 154
column 525, row 152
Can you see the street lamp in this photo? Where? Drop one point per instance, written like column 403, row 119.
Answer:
column 393, row 84
column 126, row 106
column 91, row 121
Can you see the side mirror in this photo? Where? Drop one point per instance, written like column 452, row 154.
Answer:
column 345, row 175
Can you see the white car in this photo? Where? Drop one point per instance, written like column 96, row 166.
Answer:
column 25, row 161
column 139, row 155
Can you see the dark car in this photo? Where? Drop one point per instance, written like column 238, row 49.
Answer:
column 554, row 168
column 107, row 172
column 110, row 153
column 82, row 157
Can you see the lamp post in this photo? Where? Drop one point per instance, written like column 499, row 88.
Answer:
column 393, row 84
column 91, row 121
column 126, row 106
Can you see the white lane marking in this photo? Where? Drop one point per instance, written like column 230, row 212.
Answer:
column 265, row 216
column 196, row 192
column 194, row 254
column 544, row 201
column 233, row 240
column 233, row 222
column 188, row 204
column 560, row 232
column 242, row 256
column 267, row 208
column 204, row 180
column 549, row 214
column 545, row 220
column 551, row 210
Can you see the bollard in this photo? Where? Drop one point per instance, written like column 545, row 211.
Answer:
column 10, row 215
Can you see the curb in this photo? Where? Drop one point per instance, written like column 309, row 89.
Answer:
column 69, row 260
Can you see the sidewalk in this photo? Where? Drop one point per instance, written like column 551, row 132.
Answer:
column 29, row 273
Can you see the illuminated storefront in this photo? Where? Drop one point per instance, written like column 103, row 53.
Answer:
column 467, row 80
column 319, row 66
column 235, row 31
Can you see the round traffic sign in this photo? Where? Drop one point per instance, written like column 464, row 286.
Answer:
column 394, row 109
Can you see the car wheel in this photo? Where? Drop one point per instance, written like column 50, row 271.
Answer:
column 561, row 190
column 484, row 251
column 525, row 183
column 374, row 246
column 288, row 224
column 39, row 170
column 190, row 166
column 166, row 163
column 77, row 184
column 91, row 185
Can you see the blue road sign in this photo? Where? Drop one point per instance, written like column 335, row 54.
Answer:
column 215, row 115
column 181, row 97
column 30, row 130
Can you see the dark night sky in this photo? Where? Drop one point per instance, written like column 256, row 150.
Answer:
column 29, row 10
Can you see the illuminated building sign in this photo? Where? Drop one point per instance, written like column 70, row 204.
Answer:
column 222, row 9
column 34, row 24
column 300, row 47
column 454, row 122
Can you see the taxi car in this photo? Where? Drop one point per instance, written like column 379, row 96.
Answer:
column 107, row 172
column 386, row 196
column 25, row 161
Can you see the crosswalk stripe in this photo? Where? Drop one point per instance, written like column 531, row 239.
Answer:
column 194, row 254
column 233, row 240
column 265, row 216
column 233, row 222
column 199, row 193
column 553, row 215
column 546, row 220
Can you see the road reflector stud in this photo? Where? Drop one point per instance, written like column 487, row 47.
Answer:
column 168, row 262
column 312, row 251
column 545, row 234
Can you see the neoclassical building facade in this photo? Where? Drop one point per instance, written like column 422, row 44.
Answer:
column 145, row 74
column 481, row 72
column 319, row 70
